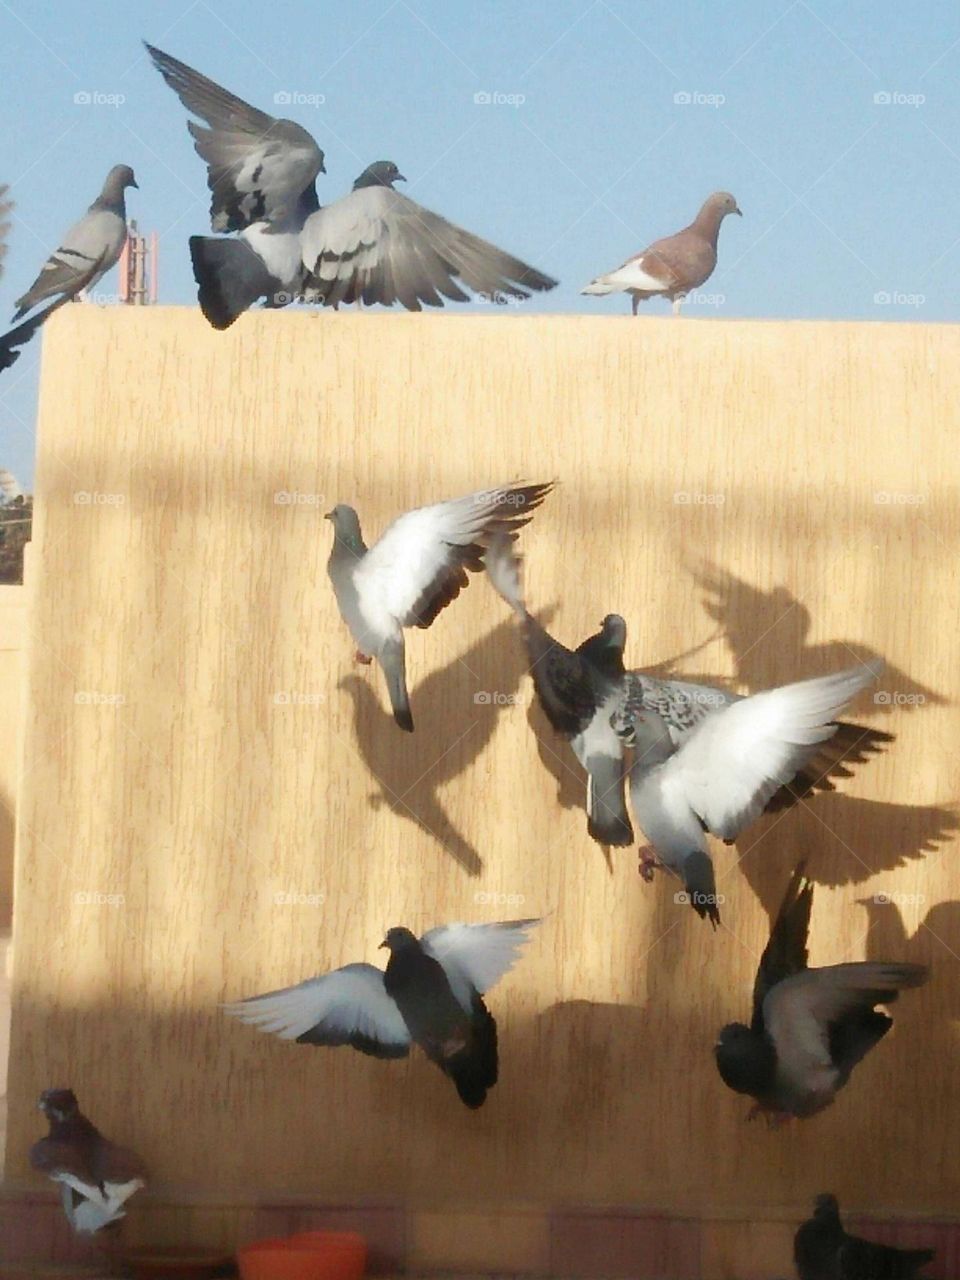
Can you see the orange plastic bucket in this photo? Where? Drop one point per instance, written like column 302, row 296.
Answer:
column 310, row 1255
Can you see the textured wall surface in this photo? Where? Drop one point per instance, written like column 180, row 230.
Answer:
column 761, row 501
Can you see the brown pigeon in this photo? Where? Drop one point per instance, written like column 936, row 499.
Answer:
column 96, row 1176
column 671, row 267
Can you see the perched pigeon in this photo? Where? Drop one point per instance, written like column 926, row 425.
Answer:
column 377, row 245
column 671, row 267
column 430, row 995
column 262, row 175
column 810, row 1027
column 89, row 250
column 417, row 568
column 579, row 692
column 727, row 769
column 822, row 1250
column 96, row 1176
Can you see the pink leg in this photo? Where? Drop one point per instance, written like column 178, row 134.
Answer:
column 362, row 657
column 636, row 302
column 648, row 862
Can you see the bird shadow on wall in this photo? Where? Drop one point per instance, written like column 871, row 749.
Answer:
column 456, row 710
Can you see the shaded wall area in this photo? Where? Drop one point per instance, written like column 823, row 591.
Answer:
column 234, row 809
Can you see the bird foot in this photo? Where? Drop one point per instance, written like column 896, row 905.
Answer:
column 774, row 1119
column 362, row 657
column 648, row 863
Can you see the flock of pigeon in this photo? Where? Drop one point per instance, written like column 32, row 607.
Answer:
column 694, row 760
column 275, row 241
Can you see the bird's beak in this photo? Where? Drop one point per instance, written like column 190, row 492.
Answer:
column 135, row 183
column 323, row 167
column 399, row 178
column 328, row 515
column 383, row 944
column 738, row 211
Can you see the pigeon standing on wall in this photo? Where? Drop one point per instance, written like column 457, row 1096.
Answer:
column 431, row 995
column 822, row 1250
column 88, row 251
column 671, row 267
column 262, row 174
column 96, row 1177
column 727, row 769
column 418, row 567
column 378, row 245
column 810, row 1027
column 579, row 692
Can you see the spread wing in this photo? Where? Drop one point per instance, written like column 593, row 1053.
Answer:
column 476, row 956
column 258, row 167
column 348, row 1006
column 378, row 245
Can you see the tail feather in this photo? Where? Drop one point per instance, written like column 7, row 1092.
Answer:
column 392, row 659
column 475, row 1069
column 230, row 277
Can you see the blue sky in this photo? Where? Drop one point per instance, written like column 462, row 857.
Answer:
column 837, row 127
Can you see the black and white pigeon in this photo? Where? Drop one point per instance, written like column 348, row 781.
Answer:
column 262, row 175
column 722, row 774
column 810, row 1027
column 88, row 250
column 419, row 565
column 378, row 245
column 96, row 1177
column 579, row 691
column 822, row 1250
column 431, row 995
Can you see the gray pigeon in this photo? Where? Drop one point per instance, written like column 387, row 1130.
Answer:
column 580, row 692
column 89, row 249
column 822, row 1250
column 96, row 1177
column 810, row 1027
column 727, row 769
column 430, row 995
column 377, row 245
column 671, row 267
column 262, row 175
column 419, row 565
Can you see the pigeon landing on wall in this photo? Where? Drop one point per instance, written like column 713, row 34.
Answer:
column 431, row 995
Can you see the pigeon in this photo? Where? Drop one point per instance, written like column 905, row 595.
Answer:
column 727, row 768
column 89, row 249
column 671, row 267
column 579, row 692
column 417, row 568
column 262, row 176
column 431, row 994
column 378, row 245
column 822, row 1250
column 810, row 1027
column 374, row 245
column 96, row 1176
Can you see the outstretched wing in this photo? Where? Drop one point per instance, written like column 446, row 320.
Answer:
column 476, row 956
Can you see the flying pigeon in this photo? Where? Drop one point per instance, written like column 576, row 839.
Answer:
column 262, row 176
column 671, row 267
column 723, row 774
column 374, row 244
column 419, row 565
column 96, row 1176
column 810, row 1027
column 579, row 692
column 378, row 245
column 89, row 249
column 822, row 1250
column 431, row 994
